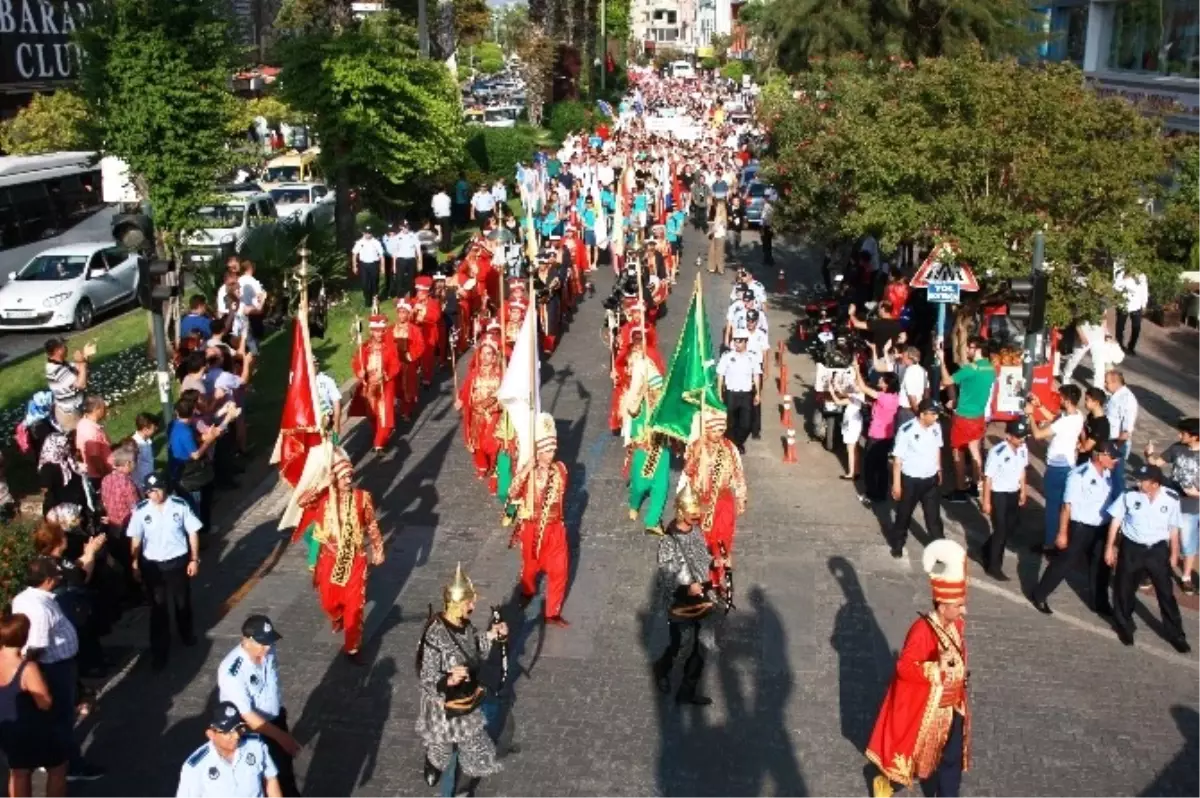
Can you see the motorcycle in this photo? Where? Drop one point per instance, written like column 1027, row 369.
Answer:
column 848, row 351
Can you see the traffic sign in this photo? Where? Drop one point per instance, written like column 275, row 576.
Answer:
column 945, row 293
column 943, row 266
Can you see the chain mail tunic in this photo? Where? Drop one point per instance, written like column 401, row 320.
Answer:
column 476, row 751
column 683, row 559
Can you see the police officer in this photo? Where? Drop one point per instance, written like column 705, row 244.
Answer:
column 744, row 282
column 1004, row 493
column 248, row 678
column 1148, row 521
column 232, row 764
column 735, row 317
column 739, row 378
column 165, row 553
column 758, row 345
column 365, row 259
column 403, row 249
column 1081, row 531
column 916, row 475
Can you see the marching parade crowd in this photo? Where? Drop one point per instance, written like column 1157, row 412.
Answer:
column 616, row 199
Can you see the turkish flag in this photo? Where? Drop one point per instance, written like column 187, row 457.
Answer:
column 300, row 427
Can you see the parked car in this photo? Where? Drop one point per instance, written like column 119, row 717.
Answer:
column 310, row 204
column 67, row 286
column 227, row 224
column 756, row 197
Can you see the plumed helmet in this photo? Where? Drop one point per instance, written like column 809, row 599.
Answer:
column 460, row 590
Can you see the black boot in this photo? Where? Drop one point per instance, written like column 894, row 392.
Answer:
column 662, row 675
column 432, row 774
column 467, row 787
column 688, row 695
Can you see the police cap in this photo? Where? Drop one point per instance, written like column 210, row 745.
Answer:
column 260, row 629
column 1150, row 473
column 226, row 718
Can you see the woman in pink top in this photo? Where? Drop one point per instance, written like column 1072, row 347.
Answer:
column 91, row 440
column 886, row 401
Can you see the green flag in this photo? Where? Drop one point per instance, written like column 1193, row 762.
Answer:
column 691, row 377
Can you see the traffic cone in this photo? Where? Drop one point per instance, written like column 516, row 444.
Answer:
column 789, row 448
column 781, row 283
column 779, row 355
column 786, row 417
column 783, row 378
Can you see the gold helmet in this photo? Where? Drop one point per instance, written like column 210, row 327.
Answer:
column 686, row 502
column 460, row 590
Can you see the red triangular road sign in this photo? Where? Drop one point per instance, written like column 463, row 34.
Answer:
column 943, row 266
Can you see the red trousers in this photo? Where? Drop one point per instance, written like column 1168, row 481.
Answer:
column 429, row 357
column 343, row 604
column 383, row 413
column 407, row 391
column 723, row 527
column 552, row 560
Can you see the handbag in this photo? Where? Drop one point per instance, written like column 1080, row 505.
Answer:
column 197, row 474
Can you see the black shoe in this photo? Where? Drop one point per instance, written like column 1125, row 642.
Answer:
column 1038, row 548
column 431, row 775
column 1125, row 637
column 1131, row 353
column 1041, row 606
column 897, row 552
column 756, row 436
column 1103, row 610
column 1179, row 644
column 693, row 698
column 997, row 574
column 188, row 641
column 468, row 787
column 663, row 683
column 354, row 658
column 85, row 771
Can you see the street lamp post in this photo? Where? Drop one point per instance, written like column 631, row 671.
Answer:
column 603, row 46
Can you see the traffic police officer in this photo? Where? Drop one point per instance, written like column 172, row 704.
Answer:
column 1148, row 521
column 916, row 475
column 248, row 678
column 744, row 282
column 735, row 317
column 758, row 345
column 232, row 764
column 403, row 251
column 165, row 554
column 1004, row 493
column 739, row 378
column 365, row 258
column 1081, row 530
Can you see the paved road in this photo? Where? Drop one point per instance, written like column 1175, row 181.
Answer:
column 94, row 228
column 1060, row 707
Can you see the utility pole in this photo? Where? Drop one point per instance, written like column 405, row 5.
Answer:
column 603, row 46
column 1035, row 328
column 423, row 27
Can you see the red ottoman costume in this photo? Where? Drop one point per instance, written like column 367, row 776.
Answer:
column 923, row 731
column 343, row 522
column 713, row 468
column 376, row 366
column 428, row 316
column 481, row 412
column 542, row 532
column 410, row 346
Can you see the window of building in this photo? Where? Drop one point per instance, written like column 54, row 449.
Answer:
column 1158, row 36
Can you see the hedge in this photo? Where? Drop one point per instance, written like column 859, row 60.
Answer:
column 16, row 550
column 495, row 151
column 567, row 117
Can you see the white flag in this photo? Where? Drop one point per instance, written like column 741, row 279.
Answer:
column 601, row 228
column 521, row 392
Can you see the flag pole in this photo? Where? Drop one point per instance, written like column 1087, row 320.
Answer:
column 533, row 375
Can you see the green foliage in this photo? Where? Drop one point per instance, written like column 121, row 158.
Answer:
column 720, row 43
column 616, row 19
column 970, row 169
column 798, row 31
column 16, row 550
column 489, row 58
column 568, row 117
column 50, row 123
column 154, row 75
column 665, row 55
column 384, row 116
column 537, row 51
column 709, row 63
column 495, row 152
column 472, row 21
column 1177, row 241
column 733, row 71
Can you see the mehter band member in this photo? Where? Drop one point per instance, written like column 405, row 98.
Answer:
column 713, row 467
column 684, row 566
column 923, row 731
column 376, row 366
column 539, row 489
column 449, row 657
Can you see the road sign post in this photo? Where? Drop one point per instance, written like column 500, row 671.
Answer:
column 944, row 278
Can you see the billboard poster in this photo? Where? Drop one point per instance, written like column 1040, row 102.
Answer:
column 35, row 41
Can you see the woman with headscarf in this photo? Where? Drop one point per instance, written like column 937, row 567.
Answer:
column 62, row 477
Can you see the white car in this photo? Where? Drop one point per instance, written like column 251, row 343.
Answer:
column 310, row 204
column 225, row 225
column 67, row 286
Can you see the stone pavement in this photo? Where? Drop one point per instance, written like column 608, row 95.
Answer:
column 1060, row 708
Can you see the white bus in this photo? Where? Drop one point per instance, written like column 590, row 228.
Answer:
column 43, row 195
column 682, row 69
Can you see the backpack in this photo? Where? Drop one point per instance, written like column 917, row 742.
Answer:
column 24, row 441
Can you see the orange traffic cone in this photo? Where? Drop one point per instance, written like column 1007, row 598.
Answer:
column 786, row 417
column 779, row 354
column 783, row 378
column 781, row 283
column 789, row 447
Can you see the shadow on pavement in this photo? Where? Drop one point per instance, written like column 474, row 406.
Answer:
column 1180, row 776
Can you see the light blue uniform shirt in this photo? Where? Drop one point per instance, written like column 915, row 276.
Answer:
column 919, row 449
column 163, row 528
column 1006, row 466
column 1087, row 492
column 248, row 686
column 207, row 774
column 1147, row 521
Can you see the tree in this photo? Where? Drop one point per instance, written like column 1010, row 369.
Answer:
column 797, row 31
column 50, row 123
column 968, row 168
column 472, row 21
column 616, row 19
column 154, row 76
column 489, row 58
column 384, row 116
column 537, row 52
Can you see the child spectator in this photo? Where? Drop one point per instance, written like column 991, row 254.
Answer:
column 196, row 321
column 143, row 438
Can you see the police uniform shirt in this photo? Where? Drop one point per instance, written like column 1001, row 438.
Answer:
column 758, row 344
column 1144, row 520
column 249, row 686
column 1087, row 492
column 919, row 449
column 368, row 250
column 406, row 245
column 163, row 528
column 760, row 293
column 1006, row 466
column 739, row 370
column 207, row 774
column 736, row 315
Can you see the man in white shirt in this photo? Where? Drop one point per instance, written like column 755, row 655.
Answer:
column 499, row 192
column 252, row 298
column 1134, row 294
column 482, row 205
column 914, row 385
column 1089, row 339
column 442, row 209
column 739, row 379
column 1122, row 412
column 365, row 260
column 404, row 250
